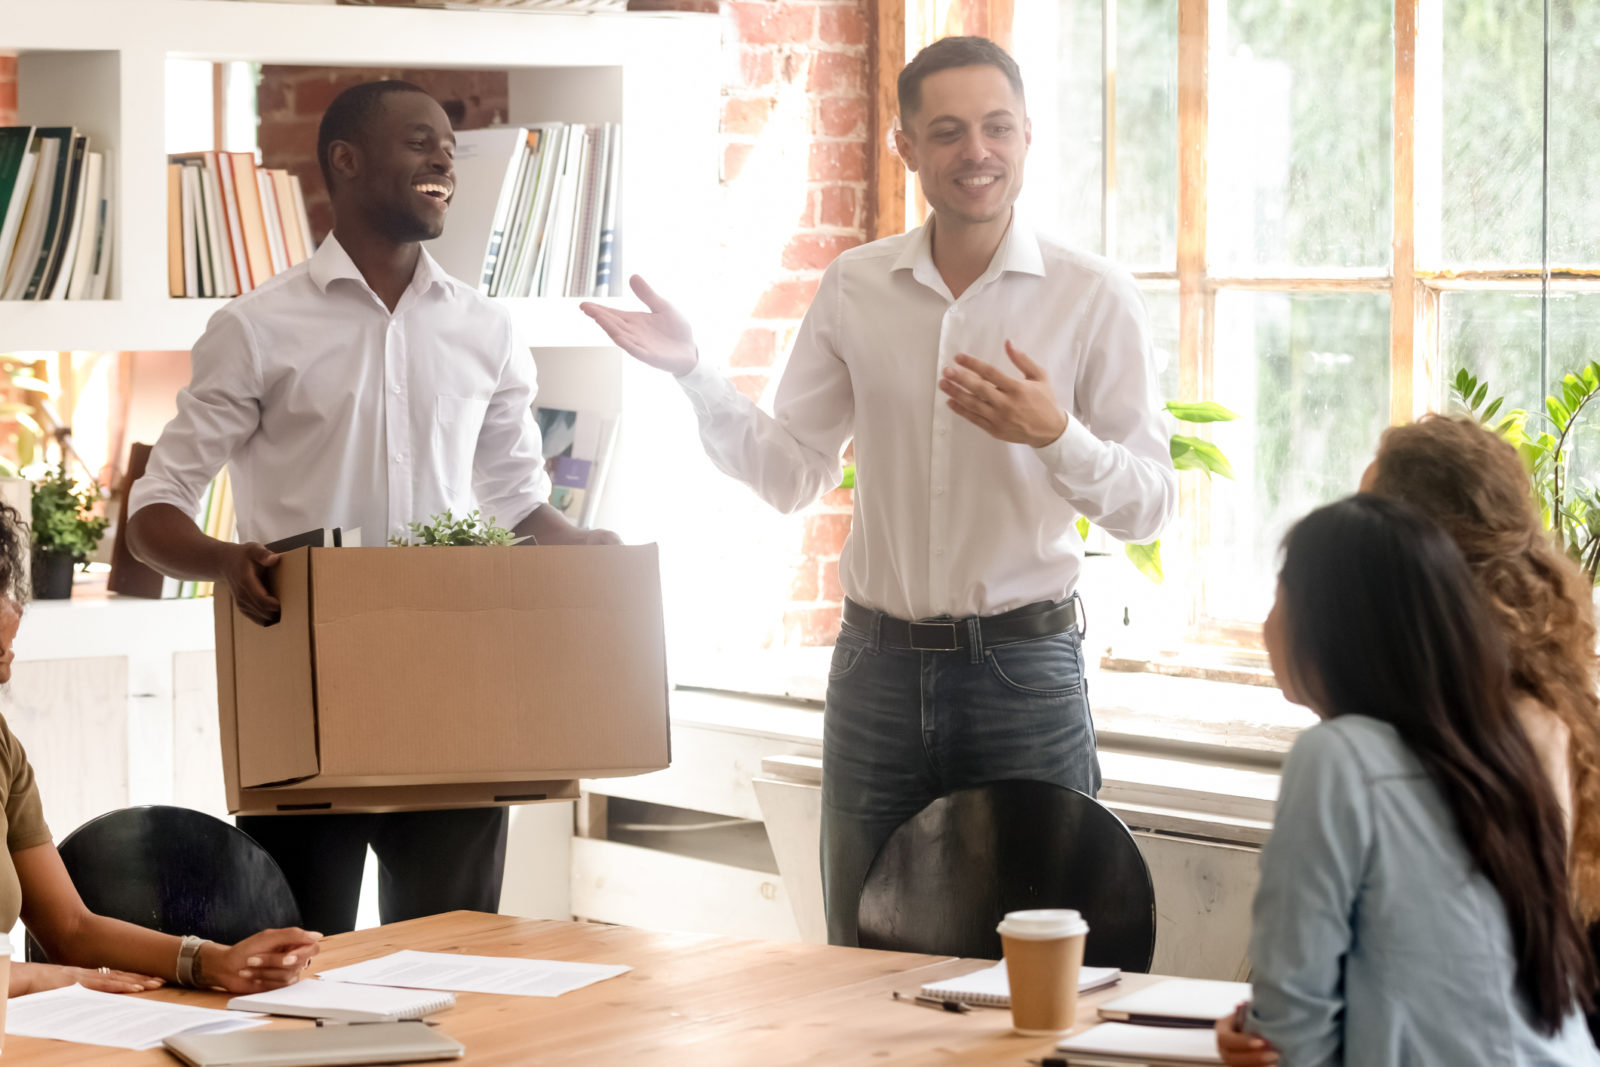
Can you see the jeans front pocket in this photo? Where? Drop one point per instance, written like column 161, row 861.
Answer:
column 1046, row 666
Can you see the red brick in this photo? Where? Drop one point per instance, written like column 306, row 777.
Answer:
column 704, row 7
column 755, row 348
column 283, row 141
column 814, row 251
column 805, row 586
column 757, row 69
column 840, row 116
column 733, row 159
column 753, row 386
column 834, row 205
column 757, row 22
column 831, row 591
column 786, row 300
column 841, row 25
column 834, row 73
column 825, row 534
column 746, row 116
column 313, row 95
column 8, row 102
column 838, row 161
column 811, row 626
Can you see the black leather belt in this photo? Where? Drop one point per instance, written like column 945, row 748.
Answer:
column 1044, row 619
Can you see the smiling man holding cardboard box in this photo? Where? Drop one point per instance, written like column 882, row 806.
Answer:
column 363, row 389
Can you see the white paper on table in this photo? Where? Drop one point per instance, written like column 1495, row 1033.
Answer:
column 120, row 1020
column 475, row 974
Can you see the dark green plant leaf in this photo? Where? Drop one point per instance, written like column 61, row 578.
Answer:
column 1492, row 410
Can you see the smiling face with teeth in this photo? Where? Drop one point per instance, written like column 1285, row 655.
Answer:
column 967, row 142
column 398, row 177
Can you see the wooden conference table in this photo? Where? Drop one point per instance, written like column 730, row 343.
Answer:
column 689, row 999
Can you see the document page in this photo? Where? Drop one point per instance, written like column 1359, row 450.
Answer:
column 119, row 1020
column 475, row 974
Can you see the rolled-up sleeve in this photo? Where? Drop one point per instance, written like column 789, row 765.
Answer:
column 1113, row 463
column 217, row 412
column 1302, row 921
column 508, row 474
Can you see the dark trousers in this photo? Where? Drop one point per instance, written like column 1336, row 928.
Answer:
column 428, row 861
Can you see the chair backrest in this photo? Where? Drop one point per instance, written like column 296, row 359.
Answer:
column 950, row 873
column 178, row 871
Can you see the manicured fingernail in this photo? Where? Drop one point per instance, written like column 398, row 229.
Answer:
column 287, row 960
column 254, row 961
column 245, row 974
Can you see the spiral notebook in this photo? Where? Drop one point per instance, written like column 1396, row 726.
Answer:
column 314, row 998
column 991, row 988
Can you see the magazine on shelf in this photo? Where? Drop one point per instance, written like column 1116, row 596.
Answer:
column 577, row 448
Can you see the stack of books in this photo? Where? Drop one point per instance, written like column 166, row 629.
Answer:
column 55, row 215
column 535, row 210
column 231, row 225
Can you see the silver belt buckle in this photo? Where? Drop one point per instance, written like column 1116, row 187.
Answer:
column 937, row 628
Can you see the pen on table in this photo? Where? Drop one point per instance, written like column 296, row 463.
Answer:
column 934, row 1002
column 1051, row 1061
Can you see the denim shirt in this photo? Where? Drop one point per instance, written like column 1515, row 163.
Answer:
column 1375, row 942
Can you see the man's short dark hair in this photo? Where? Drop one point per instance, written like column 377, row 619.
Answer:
column 347, row 117
column 948, row 53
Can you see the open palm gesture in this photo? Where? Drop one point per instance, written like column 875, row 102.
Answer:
column 660, row 337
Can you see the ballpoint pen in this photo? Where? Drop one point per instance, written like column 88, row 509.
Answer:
column 934, row 1002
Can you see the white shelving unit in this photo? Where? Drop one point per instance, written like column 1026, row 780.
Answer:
column 101, row 65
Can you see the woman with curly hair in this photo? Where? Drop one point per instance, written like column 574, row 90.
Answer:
column 94, row 951
column 1473, row 484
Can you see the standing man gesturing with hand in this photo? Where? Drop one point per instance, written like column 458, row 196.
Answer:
column 997, row 385
column 364, row 388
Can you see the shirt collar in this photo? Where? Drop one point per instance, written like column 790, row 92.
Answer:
column 1018, row 252
column 331, row 262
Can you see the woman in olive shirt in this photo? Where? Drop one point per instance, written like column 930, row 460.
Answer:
column 99, row 953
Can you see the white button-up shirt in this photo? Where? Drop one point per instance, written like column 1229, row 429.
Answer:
column 948, row 520
column 331, row 411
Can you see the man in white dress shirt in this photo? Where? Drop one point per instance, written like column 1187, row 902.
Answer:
column 364, row 388
column 959, row 660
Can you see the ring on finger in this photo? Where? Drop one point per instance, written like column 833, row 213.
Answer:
column 104, row 970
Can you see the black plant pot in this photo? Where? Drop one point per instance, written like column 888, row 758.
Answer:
column 52, row 575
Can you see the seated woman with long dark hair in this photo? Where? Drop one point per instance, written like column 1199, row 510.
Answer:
column 1414, row 904
column 94, row 951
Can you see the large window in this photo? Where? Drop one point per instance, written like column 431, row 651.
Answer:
column 1331, row 207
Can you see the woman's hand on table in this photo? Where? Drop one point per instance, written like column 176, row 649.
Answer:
column 38, row 977
column 268, row 960
column 1240, row 1048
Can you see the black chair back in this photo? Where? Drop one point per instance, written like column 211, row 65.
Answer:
column 950, row 873
column 178, row 871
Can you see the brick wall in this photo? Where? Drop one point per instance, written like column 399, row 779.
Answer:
column 8, row 89
column 824, row 47
column 291, row 101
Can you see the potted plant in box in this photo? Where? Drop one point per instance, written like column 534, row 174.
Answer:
column 65, row 532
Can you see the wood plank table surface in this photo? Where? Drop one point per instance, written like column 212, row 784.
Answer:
column 689, row 999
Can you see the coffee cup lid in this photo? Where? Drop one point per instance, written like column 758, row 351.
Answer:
column 1042, row 924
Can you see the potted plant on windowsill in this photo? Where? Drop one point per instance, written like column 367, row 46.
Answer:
column 65, row 532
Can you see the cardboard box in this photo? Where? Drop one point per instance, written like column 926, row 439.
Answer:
column 414, row 678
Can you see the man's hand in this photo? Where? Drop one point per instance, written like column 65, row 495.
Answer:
column 264, row 961
column 1022, row 410
column 547, row 526
column 660, row 337
column 245, row 570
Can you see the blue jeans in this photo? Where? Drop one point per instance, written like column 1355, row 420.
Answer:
column 902, row 728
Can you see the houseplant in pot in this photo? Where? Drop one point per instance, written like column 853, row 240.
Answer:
column 65, row 532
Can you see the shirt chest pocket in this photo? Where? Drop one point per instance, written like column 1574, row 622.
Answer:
column 457, row 422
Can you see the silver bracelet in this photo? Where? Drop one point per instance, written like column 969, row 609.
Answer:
column 188, row 960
